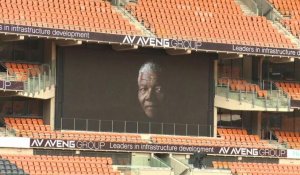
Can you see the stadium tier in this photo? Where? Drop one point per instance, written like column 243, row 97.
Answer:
column 290, row 88
column 227, row 139
column 42, row 164
column 207, row 20
column 241, row 137
column 22, row 69
column 92, row 16
column 240, row 168
column 242, row 86
column 35, row 128
column 292, row 139
column 291, row 10
column 143, row 87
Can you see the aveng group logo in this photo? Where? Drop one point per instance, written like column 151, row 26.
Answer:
column 162, row 42
column 71, row 144
column 52, row 143
column 253, row 152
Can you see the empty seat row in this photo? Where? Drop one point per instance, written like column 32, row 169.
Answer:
column 230, row 131
column 22, row 70
column 35, row 128
column 290, row 8
column 292, row 139
column 221, row 22
column 42, row 164
column 287, row 84
column 88, row 15
column 28, row 121
column 202, row 141
column 292, row 89
column 243, row 86
column 241, row 135
column 245, row 168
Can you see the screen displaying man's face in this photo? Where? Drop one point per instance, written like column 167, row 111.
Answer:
column 150, row 93
column 141, row 91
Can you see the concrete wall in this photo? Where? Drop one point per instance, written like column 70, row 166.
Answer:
column 16, row 151
column 49, row 104
column 140, row 159
column 289, row 161
column 211, row 172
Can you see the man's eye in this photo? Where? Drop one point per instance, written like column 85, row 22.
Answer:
column 158, row 89
column 142, row 89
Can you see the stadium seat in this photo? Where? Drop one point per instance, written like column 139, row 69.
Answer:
column 221, row 22
column 291, row 9
column 290, row 89
column 249, row 168
column 35, row 128
column 45, row 164
column 242, row 86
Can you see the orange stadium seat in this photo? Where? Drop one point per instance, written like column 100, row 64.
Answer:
column 291, row 89
column 292, row 9
column 247, row 168
column 88, row 15
column 222, row 22
column 292, row 139
column 45, row 164
column 36, row 128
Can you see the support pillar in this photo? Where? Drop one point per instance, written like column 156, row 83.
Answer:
column 256, row 123
column 215, row 121
column 260, row 68
column 49, row 104
column 247, row 68
column 216, row 71
column 215, row 112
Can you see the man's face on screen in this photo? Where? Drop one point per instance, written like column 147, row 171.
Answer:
column 150, row 93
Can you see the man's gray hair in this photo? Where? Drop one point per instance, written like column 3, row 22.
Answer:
column 149, row 67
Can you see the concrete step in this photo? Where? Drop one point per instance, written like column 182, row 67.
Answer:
column 5, row 133
column 286, row 32
column 247, row 11
column 46, row 93
column 278, row 145
column 133, row 21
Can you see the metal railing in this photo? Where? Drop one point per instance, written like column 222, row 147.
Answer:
column 40, row 82
column 157, row 162
column 135, row 127
column 140, row 170
column 276, row 98
column 29, row 83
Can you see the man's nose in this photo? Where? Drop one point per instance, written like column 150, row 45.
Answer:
column 149, row 94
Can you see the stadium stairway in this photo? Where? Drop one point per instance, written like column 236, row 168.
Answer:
column 248, row 6
column 6, row 133
column 40, row 93
column 133, row 20
column 245, row 8
column 147, row 164
column 180, row 165
column 286, row 32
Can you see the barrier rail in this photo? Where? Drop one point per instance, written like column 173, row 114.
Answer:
column 136, row 127
column 42, row 81
column 276, row 98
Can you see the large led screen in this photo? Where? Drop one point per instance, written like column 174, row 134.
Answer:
column 134, row 90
